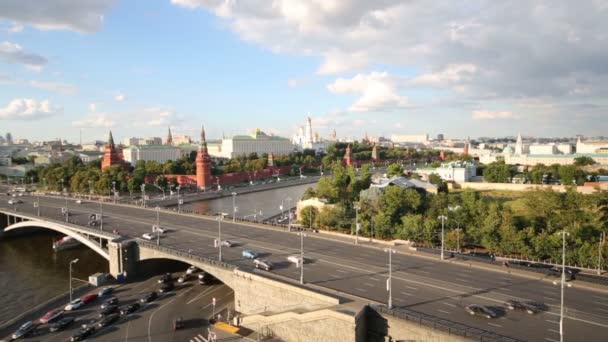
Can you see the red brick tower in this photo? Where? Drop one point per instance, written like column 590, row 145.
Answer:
column 169, row 138
column 203, row 164
column 374, row 154
column 442, row 155
column 112, row 155
column 347, row 156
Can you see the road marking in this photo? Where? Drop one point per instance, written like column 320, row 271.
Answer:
column 423, row 271
column 335, row 276
column 449, row 304
column 495, row 325
column 152, row 316
column 358, row 289
column 555, row 331
column 368, row 284
column 443, row 311
column 127, row 333
column 550, row 298
column 605, row 310
column 407, row 294
column 203, row 293
column 411, row 287
column 550, row 321
column 550, row 339
column 462, row 280
column 374, row 279
column 342, row 271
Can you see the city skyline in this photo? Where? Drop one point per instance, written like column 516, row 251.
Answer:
column 477, row 69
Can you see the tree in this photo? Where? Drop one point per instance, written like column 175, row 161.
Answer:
column 584, row 161
column 436, row 180
column 537, row 174
column 498, row 172
column 394, row 170
column 308, row 214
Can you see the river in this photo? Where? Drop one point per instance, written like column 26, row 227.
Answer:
column 31, row 273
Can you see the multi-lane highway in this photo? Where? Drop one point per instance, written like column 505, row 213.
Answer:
column 427, row 285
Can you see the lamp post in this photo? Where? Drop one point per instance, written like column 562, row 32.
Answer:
column 143, row 194
column 37, row 205
column 114, row 190
column 220, row 218
column 599, row 253
column 90, row 189
column 389, row 281
column 302, row 235
column 288, row 200
column 101, row 215
column 67, row 212
column 458, row 238
column 71, row 263
column 563, row 233
column 179, row 200
column 443, row 218
column 233, row 207
column 158, row 225
column 62, row 186
column 357, row 224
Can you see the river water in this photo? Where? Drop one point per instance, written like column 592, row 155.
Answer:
column 32, row 273
column 256, row 205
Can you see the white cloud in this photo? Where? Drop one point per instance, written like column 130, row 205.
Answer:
column 95, row 121
column 156, row 116
column 93, row 107
column 338, row 63
column 452, row 74
column 120, row 97
column 28, row 109
column 490, row 115
column 16, row 28
column 378, row 92
column 14, row 53
column 62, row 88
column 81, row 15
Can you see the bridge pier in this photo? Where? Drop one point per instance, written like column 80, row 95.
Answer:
column 123, row 258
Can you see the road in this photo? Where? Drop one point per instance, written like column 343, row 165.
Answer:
column 154, row 321
column 422, row 284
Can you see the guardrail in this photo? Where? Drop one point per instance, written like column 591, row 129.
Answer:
column 449, row 327
column 177, row 252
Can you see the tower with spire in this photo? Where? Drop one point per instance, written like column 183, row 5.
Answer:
column 374, row 154
column 169, row 138
column 347, row 156
column 519, row 145
column 203, row 164
column 270, row 159
column 112, row 155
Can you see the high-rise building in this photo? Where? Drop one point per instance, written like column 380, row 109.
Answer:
column 9, row 138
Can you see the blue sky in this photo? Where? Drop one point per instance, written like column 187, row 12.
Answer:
column 386, row 68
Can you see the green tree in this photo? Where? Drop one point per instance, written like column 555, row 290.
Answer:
column 584, row 161
column 394, row 170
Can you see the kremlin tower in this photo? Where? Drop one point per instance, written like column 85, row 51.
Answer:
column 347, row 156
column 374, row 154
column 169, row 138
column 112, row 156
column 203, row 164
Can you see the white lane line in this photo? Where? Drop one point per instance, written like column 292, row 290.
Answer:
column 550, row 321
column 342, row 271
column 505, row 289
column 550, row 339
column 550, row 298
column 600, row 303
column 368, row 284
column 358, row 289
column 207, row 291
column 602, row 309
column 462, row 280
column 407, row 294
column 555, row 331
column 411, row 287
column 425, row 272
column 399, row 299
column 374, row 279
column 495, row 325
column 443, row 311
column 449, row 304
column 335, row 276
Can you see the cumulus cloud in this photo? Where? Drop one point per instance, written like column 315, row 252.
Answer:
column 62, row 88
column 95, row 121
column 157, row 116
column 81, row 15
column 120, row 97
column 93, row 107
column 14, row 53
column 490, row 115
column 337, row 63
column 28, row 109
column 378, row 92
column 452, row 74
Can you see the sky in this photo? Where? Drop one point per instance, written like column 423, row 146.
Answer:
column 460, row 68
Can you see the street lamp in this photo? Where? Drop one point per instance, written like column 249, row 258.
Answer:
column 71, row 263
column 90, row 189
column 357, row 224
column 458, row 238
column 67, row 213
column 143, row 194
column 114, row 190
column 443, row 218
column 563, row 233
column 599, row 253
column 157, row 225
column 37, row 204
column 179, row 200
column 302, row 235
column 389, row 281
column 220, row 218
column 233, row 207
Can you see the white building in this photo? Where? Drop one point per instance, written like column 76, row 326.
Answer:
column 410, row 138
column 259, row 142
column 543, row 149
column 182, row 140
column 158, row 153
column 453, row 171
column 132, row 141
column 591, row 147
column 307, row 139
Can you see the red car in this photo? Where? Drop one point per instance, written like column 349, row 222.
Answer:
column 88, row 298
column 51, row 316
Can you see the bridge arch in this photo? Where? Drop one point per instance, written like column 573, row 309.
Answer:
column 63, row 230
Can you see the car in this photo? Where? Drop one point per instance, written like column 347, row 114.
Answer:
column 149, row 297
column 191, row 270
column 61, row 324
column 83, row 334
column 109, row 302
column 296, row 259
column 178, row 323
column 125, row 310
column 108, row 310
column 166, row 287
column 480, row 310
column 249, row 254
column 51, row 316
column 24, row 330
column 206, row 279
column 73, row 305
column 159, row 229
column 224, row 243
column 89, row 297
column 12, row 201
column 148, row 236
column 78, row 201
column 515, row 305
column 105, row 291
column 262, row 264
column 165, row 278
column 183, row 278
column 557, row 272
column 109, row 319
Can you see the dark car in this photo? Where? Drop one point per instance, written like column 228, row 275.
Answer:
column 480, row 310
column 24, row 330
column 109, row 302
column 83, row 333
column 149, row 297
column 109, row 319
column 108, row 310
column 61, row 324
column 178, row 323
column 557, row 272
column 515, row 305
column 206, row 279
column 166, row 287
column 165, row 278
column 128, row 309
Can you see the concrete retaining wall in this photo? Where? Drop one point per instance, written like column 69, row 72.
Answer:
column 520, row 187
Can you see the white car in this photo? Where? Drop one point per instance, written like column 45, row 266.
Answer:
column 73, row 305
column 191, row 269
column 78, row 201
column 184, row 278
column 225, row 243
column 263, row 264
column 12, row 201
column 160, row 230
column 148, row 236
column 296, row 259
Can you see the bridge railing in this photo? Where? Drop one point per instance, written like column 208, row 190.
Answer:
column 449, row 327
column 180, row 253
